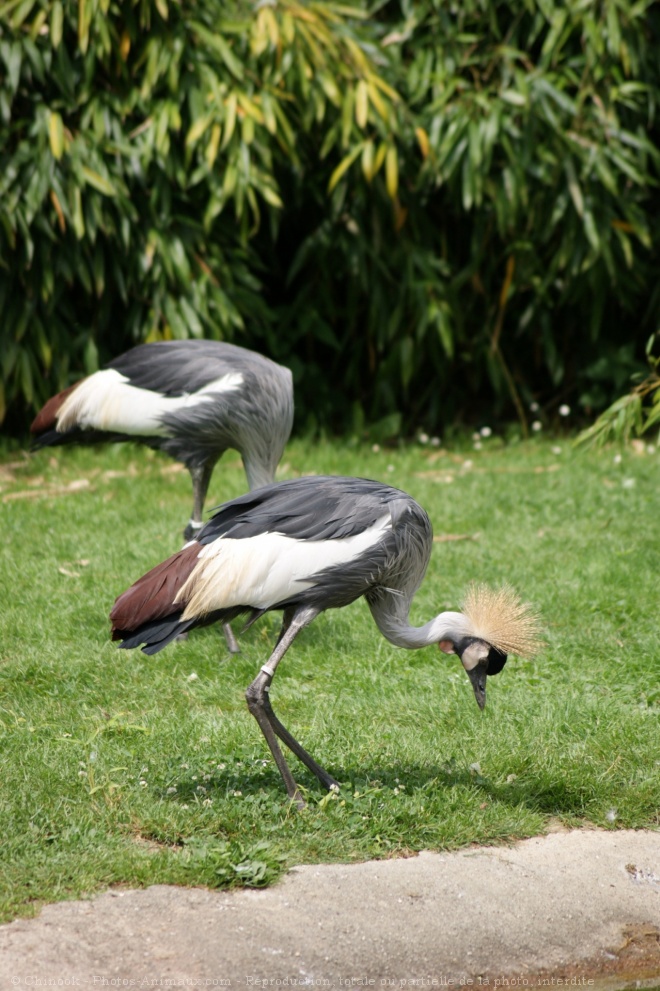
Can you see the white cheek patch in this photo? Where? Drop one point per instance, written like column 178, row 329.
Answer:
column 474, row 654
column 107, row 401
column 264, row 570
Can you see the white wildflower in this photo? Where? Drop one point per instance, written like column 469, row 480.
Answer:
column 172, row 790
column 423, row 438
column 537, row 425
column 485, row 432
column 564, row 410
column 628, row 483
column 617, row 459
column 192, row 677
column 375, row 448
column 435, row 442
column 534, row 407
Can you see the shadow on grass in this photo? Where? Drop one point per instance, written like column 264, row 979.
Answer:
column 542, row 795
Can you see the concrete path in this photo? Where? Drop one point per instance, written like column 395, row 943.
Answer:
column 577, row 908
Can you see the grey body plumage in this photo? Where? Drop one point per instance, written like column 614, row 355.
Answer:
column 303, row 546
column 192, row 399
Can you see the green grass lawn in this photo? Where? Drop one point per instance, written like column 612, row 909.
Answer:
column 120, row 768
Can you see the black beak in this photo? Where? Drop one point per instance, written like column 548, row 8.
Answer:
column 478, row 678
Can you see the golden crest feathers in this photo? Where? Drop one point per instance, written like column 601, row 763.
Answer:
column 499, row 617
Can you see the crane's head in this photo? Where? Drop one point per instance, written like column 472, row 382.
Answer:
column 479, row 660
column 498, row 624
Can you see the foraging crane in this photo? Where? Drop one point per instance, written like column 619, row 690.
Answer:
column 306, row 545
column 192, row 399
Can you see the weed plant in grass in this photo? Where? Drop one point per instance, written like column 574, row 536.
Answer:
column 117, row 767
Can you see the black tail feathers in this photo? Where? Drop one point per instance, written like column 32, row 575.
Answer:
column 154, row 635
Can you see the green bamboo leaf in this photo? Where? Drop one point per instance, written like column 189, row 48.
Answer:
column 391, row 172
column 215, row 41
column 513, row 97
column 211, row 152
column 377, row 101
column 347, row 116
column 380, row 156
column 270, row 119
column 344, row 166
column 574, row 187
column 231, row 106
column 197, row 128
column 56, row 24
column 367, row 160
column 56, row 135
column 99, row 182
column 84, row 17
column 361, row 104
column 229, row 181
column 247, row 130
column 22, row 10
column 270, row 196
column 591, row 230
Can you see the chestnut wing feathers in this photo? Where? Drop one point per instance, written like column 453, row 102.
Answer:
column 152, row 596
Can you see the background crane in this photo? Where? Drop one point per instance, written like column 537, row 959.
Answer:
column 306, row 545
column 191, row 399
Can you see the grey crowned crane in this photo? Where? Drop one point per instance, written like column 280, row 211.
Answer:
column 191, row 399
column 303, row 546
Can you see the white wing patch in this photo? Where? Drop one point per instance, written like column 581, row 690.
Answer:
column 264, row 570
column 107, row 401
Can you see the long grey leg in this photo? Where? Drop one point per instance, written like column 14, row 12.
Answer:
column 232, row 642
column 259, row 705
column 201, row 476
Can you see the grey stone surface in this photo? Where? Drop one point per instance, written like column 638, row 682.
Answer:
column 551, row 904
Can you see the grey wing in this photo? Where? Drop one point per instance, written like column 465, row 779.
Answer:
column 254, row 414
column 314, row 507
column 176, row 368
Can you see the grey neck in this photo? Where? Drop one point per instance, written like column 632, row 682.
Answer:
column 390, row 611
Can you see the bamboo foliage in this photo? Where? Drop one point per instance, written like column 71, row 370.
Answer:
column 431, row 211
column 139, row 155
